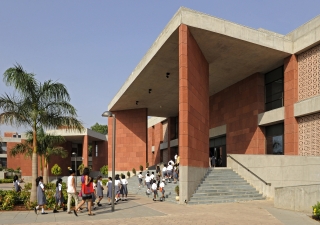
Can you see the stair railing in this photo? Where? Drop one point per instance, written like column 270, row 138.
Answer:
column 269, row 184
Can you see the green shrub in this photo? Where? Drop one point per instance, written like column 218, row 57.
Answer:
column 10, row 170
column 104, row 170
column 104, row 182
column 176, row 189
column 316, row 209
column 128, row 174
column 141, row 168
column 27, row 186
column 121, row 174
column 6, row 181
column 134, row 171
column 147, row 165
column 8, row 199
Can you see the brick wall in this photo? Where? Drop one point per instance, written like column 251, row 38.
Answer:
column 193, row 102
column 238, row 107
column 131, row 139
column 290, row 97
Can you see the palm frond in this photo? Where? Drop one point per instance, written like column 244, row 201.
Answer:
column 23, row 82
column 21, row 148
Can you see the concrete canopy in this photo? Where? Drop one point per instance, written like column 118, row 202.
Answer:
column 233, row 52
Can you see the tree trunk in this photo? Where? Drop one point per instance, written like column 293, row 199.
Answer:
column 41, row 167
column 33, row 196
column 45, row 172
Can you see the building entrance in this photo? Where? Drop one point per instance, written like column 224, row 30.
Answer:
column 218, row 150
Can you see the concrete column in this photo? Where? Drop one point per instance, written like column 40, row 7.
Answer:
column 290, row 97
column 131, row 140
column 85, row 146
column 193, row 113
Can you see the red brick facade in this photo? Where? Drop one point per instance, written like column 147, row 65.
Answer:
column 238, row 107
column 193, row 102
column 290, row 97
column 131, row 139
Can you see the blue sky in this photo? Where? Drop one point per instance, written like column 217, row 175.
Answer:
column 93, row 46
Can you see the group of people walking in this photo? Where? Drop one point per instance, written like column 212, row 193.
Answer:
column 91, row 192
column 156, row 182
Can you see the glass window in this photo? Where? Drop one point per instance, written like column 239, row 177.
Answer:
column 3, row 147
column 274, row 89
column 3, row 162
column 274, row 136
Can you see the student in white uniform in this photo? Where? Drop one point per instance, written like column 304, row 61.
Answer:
column 140, row 179
column 161, row 189
column 169, row 170
column 164, row 171
column 117, row 187
column 147, row 180
column 124, row 188
column 154, row 190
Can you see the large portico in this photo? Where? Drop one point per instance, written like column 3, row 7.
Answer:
column 195, row 57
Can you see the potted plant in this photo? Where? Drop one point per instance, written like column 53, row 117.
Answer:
column 141, row 168
column 128, row 174
column 147, row 165
column 176, row 189
column 134, row 171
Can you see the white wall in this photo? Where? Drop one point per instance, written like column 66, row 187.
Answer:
column 279, row 170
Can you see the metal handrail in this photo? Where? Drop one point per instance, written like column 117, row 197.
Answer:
column 269, row 184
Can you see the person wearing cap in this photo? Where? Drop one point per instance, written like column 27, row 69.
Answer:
column 71, row 190
column 161, row 189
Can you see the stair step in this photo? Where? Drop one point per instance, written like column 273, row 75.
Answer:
column 227, row 196
column 209, row 201
column 224, row 193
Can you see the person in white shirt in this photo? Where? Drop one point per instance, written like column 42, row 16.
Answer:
column 169, row 170
column 147, row 180
column 71, row 190
column 161, row 189
column 175, row 157
column 164, row 171
column 171, row 161
column 117, row 186
column 152, row 176
column 154, row 190
column 140, row 179
column 124, row 188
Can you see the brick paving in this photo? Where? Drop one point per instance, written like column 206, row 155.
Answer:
column 141, row 210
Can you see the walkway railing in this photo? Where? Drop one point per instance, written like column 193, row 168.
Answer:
column 269, row 184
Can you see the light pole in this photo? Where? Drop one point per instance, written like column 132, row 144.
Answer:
column 110, row 114
column 75, row 160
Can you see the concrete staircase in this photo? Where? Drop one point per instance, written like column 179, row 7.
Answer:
column 133, row 188
column 222, row 185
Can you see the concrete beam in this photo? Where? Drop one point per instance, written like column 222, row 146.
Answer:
column 217, row 131
column 306, row 107
column 271, row 117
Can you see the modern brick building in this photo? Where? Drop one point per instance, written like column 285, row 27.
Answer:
column 95, row 156
column 212, row 84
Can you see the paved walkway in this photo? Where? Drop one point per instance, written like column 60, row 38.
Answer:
column 143, row 210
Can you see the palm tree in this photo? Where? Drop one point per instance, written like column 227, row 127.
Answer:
column 38, row 104
column 47, row 146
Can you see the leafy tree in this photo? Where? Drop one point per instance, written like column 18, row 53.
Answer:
column 104, row 170
column 37, row 104
column 46, row 147
column 103, row 129
column 56, row 170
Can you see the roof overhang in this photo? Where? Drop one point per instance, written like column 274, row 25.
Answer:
column 77, row 136
column 233, row 52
